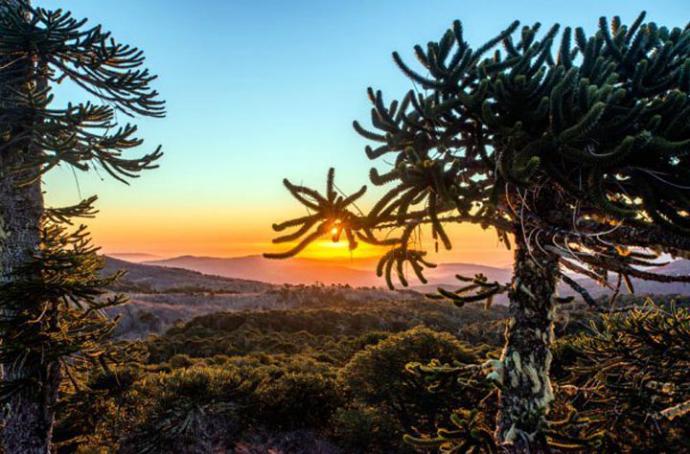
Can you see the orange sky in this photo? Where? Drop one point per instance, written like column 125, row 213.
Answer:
column 256, row 94
column 166, row 234
column 148, row 217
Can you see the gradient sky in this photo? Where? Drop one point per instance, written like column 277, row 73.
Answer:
column 260, row 90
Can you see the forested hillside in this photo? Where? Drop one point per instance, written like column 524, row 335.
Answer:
column 332, row 374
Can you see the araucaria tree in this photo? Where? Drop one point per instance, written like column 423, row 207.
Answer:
column 575, row 148
column 50, row 293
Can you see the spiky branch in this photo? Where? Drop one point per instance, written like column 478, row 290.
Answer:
column 51, row 293
column 601, row 123
column 57, row 47
column 577, row 148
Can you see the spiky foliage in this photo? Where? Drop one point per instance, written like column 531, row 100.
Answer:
column 51, row 296
column 622, row 381
column 194, row 405
column 54, row 47
column 478, row 289
column 579, row 148
column 100, row 403
column 635, row 365
column 54, row 311
column 470, row 429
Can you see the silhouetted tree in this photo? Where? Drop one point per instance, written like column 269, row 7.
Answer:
column 580, row 155
column 50, row 292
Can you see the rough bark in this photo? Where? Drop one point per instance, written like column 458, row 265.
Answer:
column 27, row 419
column 526, row 359
column 29, row 416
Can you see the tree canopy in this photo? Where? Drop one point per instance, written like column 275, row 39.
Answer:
column 575, row 144
column 51, row 290
column 574, row 147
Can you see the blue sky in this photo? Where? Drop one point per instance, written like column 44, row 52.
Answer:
column 260, row 90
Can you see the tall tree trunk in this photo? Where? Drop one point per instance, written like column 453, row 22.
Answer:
column 527, row 393
column 27, row 419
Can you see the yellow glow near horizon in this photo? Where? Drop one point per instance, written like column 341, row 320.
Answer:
column 470, row 244
column 228, row 234
column 328, row 249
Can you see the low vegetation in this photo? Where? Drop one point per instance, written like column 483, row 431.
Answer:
column 342, row 377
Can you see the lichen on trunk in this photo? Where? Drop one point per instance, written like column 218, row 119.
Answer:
column 526, row 390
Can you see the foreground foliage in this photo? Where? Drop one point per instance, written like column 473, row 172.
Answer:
column 631, row 379
column 277, row 380
column 619, row 388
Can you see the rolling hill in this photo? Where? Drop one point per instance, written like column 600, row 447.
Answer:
column 161, row 296
column 361, row 273
column 166, row 291
column 355, row 272
column 147, row 278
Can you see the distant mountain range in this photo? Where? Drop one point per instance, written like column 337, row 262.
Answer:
column 135, row 257
column 185, row 287
column 355, row 272
column 159, row 278
column 361, row 273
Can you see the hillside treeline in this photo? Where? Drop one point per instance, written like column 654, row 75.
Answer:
column 378, row 377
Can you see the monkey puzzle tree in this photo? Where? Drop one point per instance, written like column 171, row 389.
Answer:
column 578, row 151
column 50, row 293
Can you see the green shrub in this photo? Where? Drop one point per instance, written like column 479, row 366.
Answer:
column 195, row 408
column 377, row 376
column 180, row 360
column 296, row 400
column 367, row 429
column 634, row 364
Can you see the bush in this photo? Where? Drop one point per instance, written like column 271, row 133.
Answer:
column 634, row 364
column 367, row 429
column 98, row 414
column 377, row 376
column 296, row 400
column 180, row 361
column 228, row 378
column 194, row 409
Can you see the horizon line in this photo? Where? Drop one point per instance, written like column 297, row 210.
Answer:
column 160, row 258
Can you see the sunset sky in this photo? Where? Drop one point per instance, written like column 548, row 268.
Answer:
column 260, row 90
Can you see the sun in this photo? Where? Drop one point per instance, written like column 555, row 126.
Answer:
column 327, row 249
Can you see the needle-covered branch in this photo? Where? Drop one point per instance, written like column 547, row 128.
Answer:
column 53, row 310
column 48, row 47
column 476, row 289
column 600, row 124
column 332, row 215
column 52, row 295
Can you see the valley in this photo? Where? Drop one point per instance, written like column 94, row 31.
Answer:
column 165, row 292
